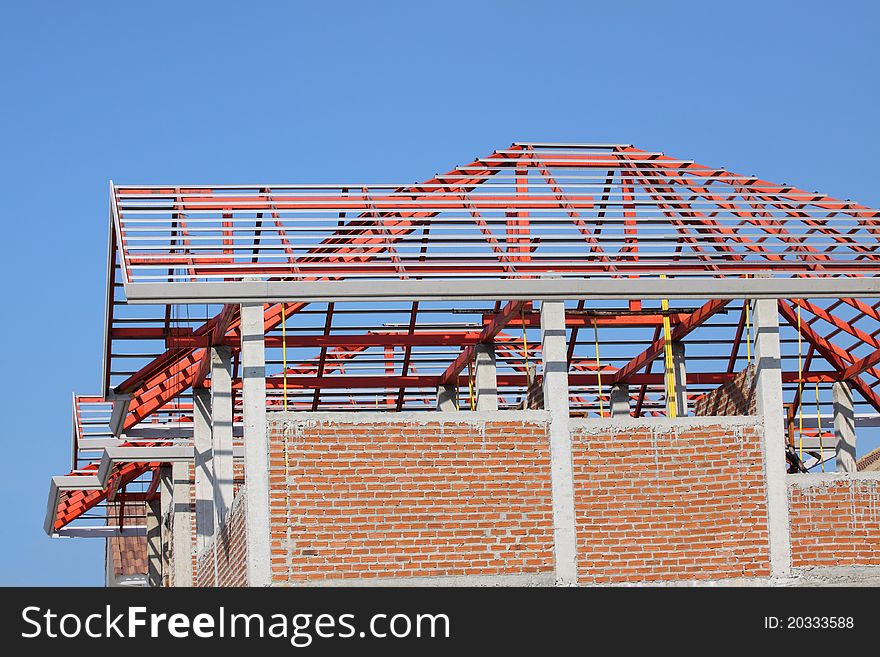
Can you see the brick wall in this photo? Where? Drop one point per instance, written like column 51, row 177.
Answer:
column 835, row 519
column 736, row 397
column 230, row 550
column 366, row 496
column 659, row 500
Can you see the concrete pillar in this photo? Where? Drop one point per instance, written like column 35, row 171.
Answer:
column 620, row 400
column 485, row 380
column 447, row 398
column 256, row 444
column 844, row 426
column 181, row 528
column 166, row 518
column 204, row 468
column 154, row 543
column 678, row 366
column 221, row 431
column 555, row 359
column 768, row 389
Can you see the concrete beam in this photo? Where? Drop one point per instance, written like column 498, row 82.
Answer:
column 485, row 377
column 204, row 468
column 555, row 360
column 181, row 525
column 678, row 366
column 221, row 431
column 128, row 454
column 768, row 388
column 447, row 398
column 466, row 289
column 860, row 419
column 118, row 414
column 173, row 430
column 256, row 444
column 620, row 400
column 101, row 531
column 61, row 483
column 844, row 427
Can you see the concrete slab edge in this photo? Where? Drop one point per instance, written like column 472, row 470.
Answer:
column 811, row 480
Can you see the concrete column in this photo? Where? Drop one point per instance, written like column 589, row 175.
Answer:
column 844, row 426
column 447, row 398
column 256, row 444
column 678, row 366
column 620, row 400
column 485, row 380
column 204, row 468
column 166, row 518
column 768, row 389
column 154, row 543
column 221, row 431
column 555, row 358
column 181, row 528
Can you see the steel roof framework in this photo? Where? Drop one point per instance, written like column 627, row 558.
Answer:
column 529, row 215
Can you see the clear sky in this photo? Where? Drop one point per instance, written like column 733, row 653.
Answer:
column 275, row 92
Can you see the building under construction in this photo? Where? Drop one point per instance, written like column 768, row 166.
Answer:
column 556, row 364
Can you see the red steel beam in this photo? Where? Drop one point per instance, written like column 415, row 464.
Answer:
column 413, row 381
column 643, row 389
column 533, row 319
column 846, row 327
column 421, row 339
column 795, row 405
column 693, row 321
column 861, row 365
column 215, row 336
column 490, row 330
column 836, row 356
column 407, row 352
column 763, row 187
column 737, row 339
column 675, row 175
column 322, row 356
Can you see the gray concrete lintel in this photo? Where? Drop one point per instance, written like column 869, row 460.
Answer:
column 475, row 418
column 501, row 289
column 823, row 479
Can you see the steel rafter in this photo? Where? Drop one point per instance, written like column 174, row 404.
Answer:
column 836, row 356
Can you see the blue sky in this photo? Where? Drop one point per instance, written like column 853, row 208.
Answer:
column 276, row 92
